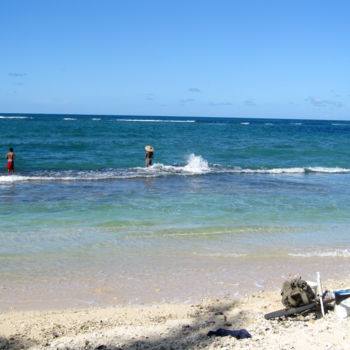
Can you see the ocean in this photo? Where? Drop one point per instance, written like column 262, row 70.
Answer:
column 229, row 206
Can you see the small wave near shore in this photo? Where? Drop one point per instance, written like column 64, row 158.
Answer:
column 195, row 165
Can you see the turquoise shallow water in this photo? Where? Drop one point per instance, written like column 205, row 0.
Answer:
column 82, row 213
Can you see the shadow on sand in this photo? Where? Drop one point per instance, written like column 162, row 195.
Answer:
column 188, row 336
column 15, row 343
column 178, row 335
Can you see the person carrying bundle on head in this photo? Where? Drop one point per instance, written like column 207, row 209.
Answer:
column 149, row 155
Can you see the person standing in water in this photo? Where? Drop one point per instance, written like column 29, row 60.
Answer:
column 10, row 156
column 149, row 155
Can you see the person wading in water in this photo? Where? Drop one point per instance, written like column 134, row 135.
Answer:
column 149, row 155
column 10, row 156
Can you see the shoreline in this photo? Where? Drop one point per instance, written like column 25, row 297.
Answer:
column 184, row 283
column 175, row 326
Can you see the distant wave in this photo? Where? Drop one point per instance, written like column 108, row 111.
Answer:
column 196, row 165
column 327, row 170
column 245, row 123
column 294, row 170
column 69, row 118
column 155, row 121
column 14, row 117
column 95, row 118
column 341, row 253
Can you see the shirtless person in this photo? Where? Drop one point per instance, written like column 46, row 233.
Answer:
column 10, row 156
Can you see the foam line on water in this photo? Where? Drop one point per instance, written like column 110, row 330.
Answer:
column 155, row 121
column 327, row 170
column 195, row 165
column 15, row 117
column 296, row 170
column 341, row 253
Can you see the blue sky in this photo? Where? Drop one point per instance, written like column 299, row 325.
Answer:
column 238, row 58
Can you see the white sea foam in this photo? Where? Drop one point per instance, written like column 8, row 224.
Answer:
column 95, row 118
column 258, row 284
column 69, row 119
column 196, row 165
column 273, row 171
column 291, row 170
column 328, row 170
column 78, row 176
column 155, row 121
column 13, row 178
column 245, row 123
column 21, row 178
column 341, row 253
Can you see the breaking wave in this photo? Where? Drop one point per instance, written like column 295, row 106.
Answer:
column 195, row 165
column 305, row 170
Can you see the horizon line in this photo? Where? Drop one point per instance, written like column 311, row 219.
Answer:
column 169, row 116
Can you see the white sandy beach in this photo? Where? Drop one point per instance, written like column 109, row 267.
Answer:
column 171, row 326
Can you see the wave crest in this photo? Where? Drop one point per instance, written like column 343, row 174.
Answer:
column 14, row 117
column 155, row 121
column 195, row 165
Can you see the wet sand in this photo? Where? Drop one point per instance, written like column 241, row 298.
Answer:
column 169, row 280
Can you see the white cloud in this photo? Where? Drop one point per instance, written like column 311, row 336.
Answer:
column 187, row 100
column 319, row 102
column 250, row 102
column 216, row 104
column 17, row 75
